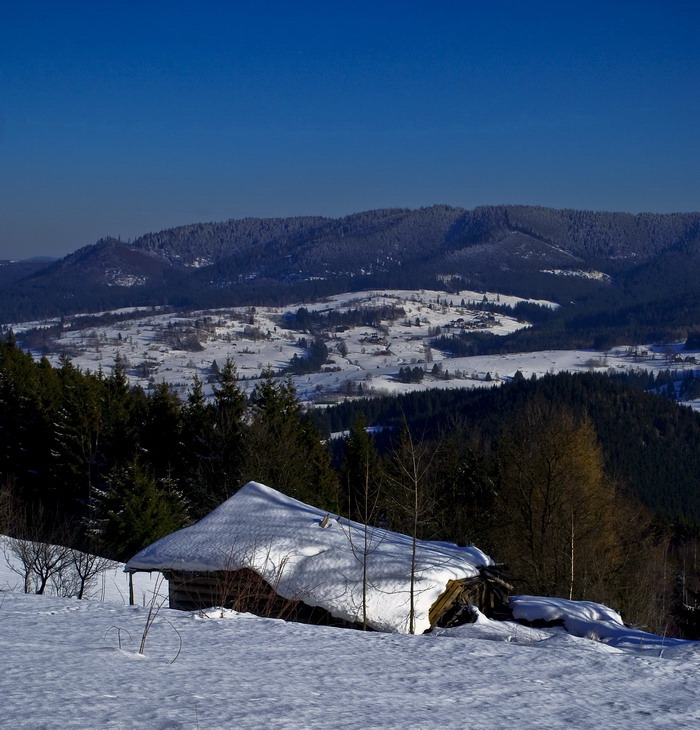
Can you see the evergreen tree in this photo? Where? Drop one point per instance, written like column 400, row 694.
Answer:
column 223, row 475
column 360, row 474
column 28, row 398
column 137, row 511
column 466, row 485
column 78, row 464
column 125, row 410
column 199, row 443
column 161, row 435
column 285, row 449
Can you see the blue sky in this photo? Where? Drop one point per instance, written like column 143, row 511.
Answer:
column 119, row 118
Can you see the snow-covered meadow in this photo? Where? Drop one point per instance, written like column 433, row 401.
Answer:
column 63, row 667
column 255, row 339
column 76, row 664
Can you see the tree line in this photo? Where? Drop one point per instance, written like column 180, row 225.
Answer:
column 122, row 467
column 648, row 442
column 305, row 320
column 532, row 477
column 538, row 499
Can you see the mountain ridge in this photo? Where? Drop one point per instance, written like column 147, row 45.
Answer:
column 511, row 247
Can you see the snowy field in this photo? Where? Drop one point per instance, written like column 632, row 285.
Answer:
column 63, row 668
column 76, row 664
column 255, row 338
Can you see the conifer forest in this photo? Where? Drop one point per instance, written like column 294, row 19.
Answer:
column 581, row 486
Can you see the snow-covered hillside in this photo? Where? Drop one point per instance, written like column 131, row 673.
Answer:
column 63, row 667
column 76, row 664
column 255, row 338
column 176, row 347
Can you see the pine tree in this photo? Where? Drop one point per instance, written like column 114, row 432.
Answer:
column 137, row 511
column 285, row 449
column 465, row 483
column 28, row 400
column 228, row 445
column 199, row 479
column 161, row 436
column 78, row 433
column 124, row 408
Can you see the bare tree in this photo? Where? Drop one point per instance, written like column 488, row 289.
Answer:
column 36, row 562
column 362, row 477
column 362, row 547
column 36, row 550
column 85, row 567
column 413, row 497
column 28, row 552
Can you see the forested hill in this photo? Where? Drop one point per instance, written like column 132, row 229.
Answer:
column 385, row 237
column 532, row 251
column 649, row 443
column 88, row 461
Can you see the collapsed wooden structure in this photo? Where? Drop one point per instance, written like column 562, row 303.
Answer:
column 265, row 553
column 487, row 592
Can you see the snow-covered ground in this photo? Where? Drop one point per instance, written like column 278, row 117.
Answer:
column 76, row 664
column 110, row 585
column 254, row 338
column 63, row 667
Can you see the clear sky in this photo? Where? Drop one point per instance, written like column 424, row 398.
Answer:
column 119, row 118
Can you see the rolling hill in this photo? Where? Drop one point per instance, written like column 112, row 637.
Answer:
column 564, row 255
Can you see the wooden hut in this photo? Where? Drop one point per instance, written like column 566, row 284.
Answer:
column 264, row 552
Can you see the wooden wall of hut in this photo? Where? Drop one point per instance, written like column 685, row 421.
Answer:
column 242, row 590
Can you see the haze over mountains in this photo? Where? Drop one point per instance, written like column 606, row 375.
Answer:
column 529, row 251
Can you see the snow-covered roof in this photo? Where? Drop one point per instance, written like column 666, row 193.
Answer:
column 283, row 540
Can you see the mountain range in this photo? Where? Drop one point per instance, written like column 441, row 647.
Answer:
column 564, row 255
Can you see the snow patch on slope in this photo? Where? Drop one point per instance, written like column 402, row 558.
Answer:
column 580, row 273
column 116, row 277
